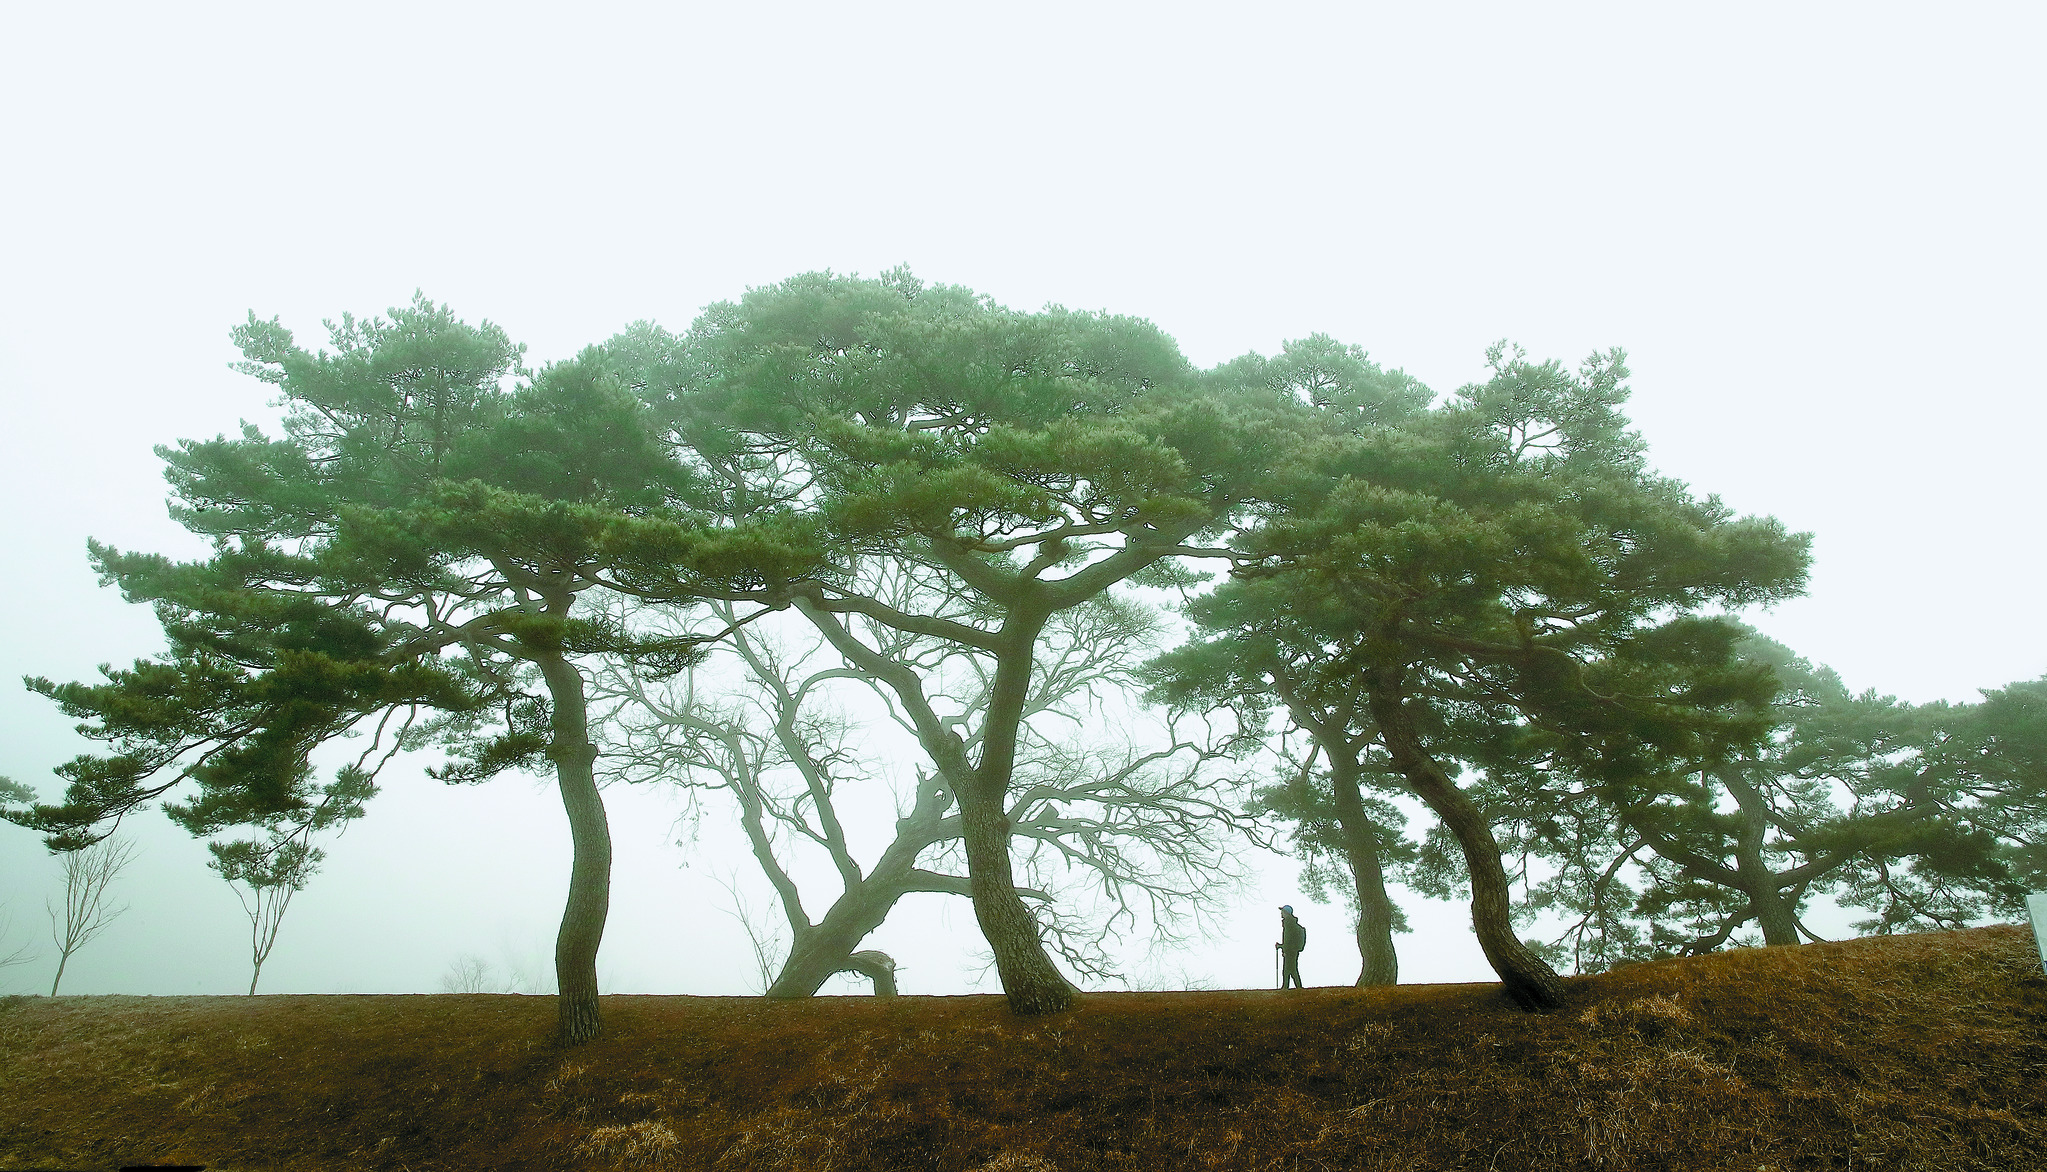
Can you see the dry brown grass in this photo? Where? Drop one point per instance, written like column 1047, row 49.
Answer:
column 1919, row 1052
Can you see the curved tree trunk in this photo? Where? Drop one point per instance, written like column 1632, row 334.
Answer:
column 589, row 902
column 1530, row 982
column 1030, row 980
column 820, row 951
column 1381, row 964
column 826, row 949
column 1774, row 914
column 878, row 967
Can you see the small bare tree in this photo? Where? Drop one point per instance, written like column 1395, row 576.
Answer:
column 272, row 874
column 88, row 873
column 469, row 973
column 20, row 955
column 769, row 942
column 14, row 791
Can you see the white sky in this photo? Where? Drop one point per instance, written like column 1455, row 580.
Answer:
column 1815, row 228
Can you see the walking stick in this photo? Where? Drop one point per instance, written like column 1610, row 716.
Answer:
column 1275, row 966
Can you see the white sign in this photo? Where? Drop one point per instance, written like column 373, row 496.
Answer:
column 2036, row 904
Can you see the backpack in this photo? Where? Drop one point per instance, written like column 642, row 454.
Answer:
column 1297, row 936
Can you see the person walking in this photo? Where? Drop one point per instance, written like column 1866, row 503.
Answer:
column 1292, row 938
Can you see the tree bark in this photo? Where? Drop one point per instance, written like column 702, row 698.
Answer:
column 589, row 901
column 1381, row 964
column 1529, row 982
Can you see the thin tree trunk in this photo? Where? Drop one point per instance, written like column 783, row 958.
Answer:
column 1530, row 983
column 62, row 960
column 589, row 901
column 1381, row 964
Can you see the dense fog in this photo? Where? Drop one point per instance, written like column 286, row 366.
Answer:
column 1816, row 238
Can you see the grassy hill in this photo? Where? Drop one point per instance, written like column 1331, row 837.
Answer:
column 1909, row 1052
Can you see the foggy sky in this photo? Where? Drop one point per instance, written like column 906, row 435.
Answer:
column 1815, row 231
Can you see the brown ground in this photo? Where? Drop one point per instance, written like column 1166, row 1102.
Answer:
column 1903, row 1053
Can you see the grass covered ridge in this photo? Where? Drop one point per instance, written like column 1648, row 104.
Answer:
column 1912, row 1052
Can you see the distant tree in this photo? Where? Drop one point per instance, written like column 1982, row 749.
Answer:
column 1922, row 814
column 21, row 954
column 1995, row 753
column 89, row 874
column 766, row 937
column 1911, row 811
column 271, row 873
column 469, row 973
column 12, row 792
column 928, row 427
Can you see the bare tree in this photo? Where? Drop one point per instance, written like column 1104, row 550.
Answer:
column 20, row 955
column 272, row 873
column 469, row 973
column 88, row 873
column 766, row 938
column 14, row 791
column 1144, row 822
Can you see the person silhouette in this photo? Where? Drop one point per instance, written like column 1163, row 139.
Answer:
column 1292, row 938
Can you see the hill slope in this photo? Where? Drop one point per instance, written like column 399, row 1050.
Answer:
column 1922, row 1051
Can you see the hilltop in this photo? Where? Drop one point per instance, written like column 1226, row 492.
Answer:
column 1926, row 1051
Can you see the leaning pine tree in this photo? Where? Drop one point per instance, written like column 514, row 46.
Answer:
column 1507, row 565
column 407, row 557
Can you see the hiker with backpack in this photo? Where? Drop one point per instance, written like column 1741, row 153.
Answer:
column 1292, row 938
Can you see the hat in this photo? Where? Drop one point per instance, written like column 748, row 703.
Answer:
column 1287, row 908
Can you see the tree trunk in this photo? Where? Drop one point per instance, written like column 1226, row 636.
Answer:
column 61, row 962
column 826, row 949
column 878, row 967
column 1368, row 875
column 1529, row 982
column 589, row 902
column 1774, row 914
column 1030, row 980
